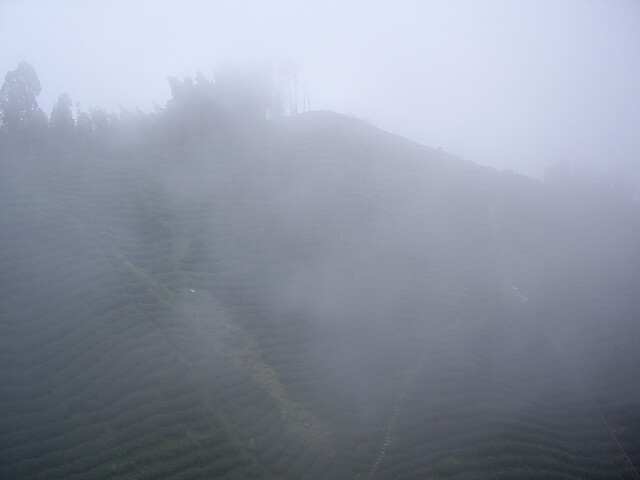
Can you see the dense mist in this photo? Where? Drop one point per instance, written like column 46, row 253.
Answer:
column 239, row 284
column 521, row 86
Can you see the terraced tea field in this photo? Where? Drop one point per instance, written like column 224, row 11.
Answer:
column 150, row 330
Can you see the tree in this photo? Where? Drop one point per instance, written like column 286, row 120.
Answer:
column 18, row 104
column 83, row 130
column 61, row 119
column 103, row 124
column 22, row 123
column 84, row 124
column 230, row 106
column 289, row 83
column 289, row 89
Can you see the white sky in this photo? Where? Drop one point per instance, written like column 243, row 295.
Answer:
column 512, row 84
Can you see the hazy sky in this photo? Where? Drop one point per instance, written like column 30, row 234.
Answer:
column 512, row 84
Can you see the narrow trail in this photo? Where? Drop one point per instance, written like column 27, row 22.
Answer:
column 390, row 425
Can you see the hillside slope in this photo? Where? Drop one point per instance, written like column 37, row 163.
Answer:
column 319, row 300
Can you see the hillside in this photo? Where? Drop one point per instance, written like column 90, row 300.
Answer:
column 313, row 299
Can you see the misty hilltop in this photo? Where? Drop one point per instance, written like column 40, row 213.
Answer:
column 222, row 289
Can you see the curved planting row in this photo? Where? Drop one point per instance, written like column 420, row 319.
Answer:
column 148, row 331
column 93, row 383
column 496, row 413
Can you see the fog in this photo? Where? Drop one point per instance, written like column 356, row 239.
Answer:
column 512, row 85
column 422, row 262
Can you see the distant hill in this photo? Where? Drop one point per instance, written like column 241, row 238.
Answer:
column 313, row 298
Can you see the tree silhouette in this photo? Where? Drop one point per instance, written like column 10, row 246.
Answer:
column 61, row 119
column 20, row 118
column 18, row 104
column 61, row 122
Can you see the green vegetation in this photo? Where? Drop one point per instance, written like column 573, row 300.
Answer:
column 304, row 298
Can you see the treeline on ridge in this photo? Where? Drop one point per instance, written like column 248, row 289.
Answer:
column 236, row 101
